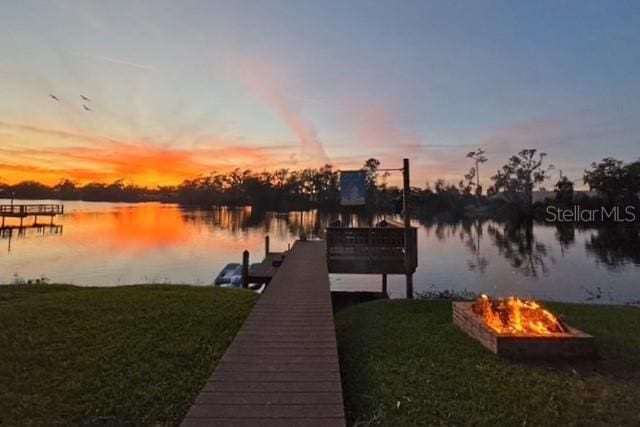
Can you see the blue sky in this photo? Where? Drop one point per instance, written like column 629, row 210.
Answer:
column 263, row 84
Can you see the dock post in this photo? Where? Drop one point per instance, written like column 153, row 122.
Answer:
column 384, row 283
column 266, row 245
column 409, row 286
column 245, row 269
column 406, row 191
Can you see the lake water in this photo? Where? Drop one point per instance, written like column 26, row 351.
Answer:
column 107, row 244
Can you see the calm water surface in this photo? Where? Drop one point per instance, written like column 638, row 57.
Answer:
column 108, row 244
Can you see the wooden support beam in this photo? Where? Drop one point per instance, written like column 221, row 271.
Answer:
column 245, row 269
column 406, row 192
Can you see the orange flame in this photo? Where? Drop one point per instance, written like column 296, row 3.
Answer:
column 516, row 316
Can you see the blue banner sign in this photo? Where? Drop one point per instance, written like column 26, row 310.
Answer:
column 353, row 186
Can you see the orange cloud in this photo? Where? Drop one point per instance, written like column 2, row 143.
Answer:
column 84, row 157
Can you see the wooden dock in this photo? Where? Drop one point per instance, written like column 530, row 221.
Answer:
column 35, row 210
column 265, row 271
column 282, row 368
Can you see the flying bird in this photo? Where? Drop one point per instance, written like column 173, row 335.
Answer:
column 85, row 98
column 86, row 108
column 54, row 97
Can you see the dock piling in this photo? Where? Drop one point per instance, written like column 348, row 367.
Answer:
column 245, row 269
column 406, row 193
column 266, row 245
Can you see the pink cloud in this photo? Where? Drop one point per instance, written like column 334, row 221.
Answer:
column 262, row 82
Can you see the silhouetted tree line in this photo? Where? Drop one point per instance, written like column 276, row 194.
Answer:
column 616, row 185
column 117, row 191
column 510, row 195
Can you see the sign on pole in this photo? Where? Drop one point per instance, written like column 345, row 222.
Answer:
column 353, row 185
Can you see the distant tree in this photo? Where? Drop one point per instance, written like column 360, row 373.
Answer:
column 615, row 181
column 564, row 191
column 469, row 181
column 4, row 189
column 478, row 157
column 30, row 190
column 371, row 167
column 325, row 184
column 66, row 189
column 518, row 178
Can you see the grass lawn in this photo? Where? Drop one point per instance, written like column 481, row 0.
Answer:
column 405, row 363
column 124, row 355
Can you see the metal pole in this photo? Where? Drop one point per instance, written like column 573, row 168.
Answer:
column 266, row 245
column 384, row 283
column 406, row 190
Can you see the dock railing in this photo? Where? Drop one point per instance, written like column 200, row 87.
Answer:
column 22, row 210
column 371, row 250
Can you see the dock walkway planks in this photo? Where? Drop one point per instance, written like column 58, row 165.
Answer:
column 282, row 368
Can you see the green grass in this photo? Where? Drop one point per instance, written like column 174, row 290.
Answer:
column 405, row 363
column 126, row 355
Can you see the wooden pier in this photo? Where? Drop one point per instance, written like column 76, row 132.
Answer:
column 35, row 210
column 282, row 368
column 263, row 272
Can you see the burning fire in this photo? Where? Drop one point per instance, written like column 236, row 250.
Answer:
column 516, row 316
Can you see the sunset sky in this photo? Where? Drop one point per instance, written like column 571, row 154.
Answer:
column 181, row 88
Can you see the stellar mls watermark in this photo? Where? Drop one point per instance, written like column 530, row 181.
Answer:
column 624, row 214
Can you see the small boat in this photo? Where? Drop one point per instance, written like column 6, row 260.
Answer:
column 234, row 282
column 228, row 273
column 231, row 277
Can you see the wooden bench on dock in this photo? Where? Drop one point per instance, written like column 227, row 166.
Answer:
column 282, row 368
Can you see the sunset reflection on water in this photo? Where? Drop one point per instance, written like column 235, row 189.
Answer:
column 108, row 244
column 143, row 227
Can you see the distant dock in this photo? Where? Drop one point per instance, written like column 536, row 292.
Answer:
column 23, row 211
